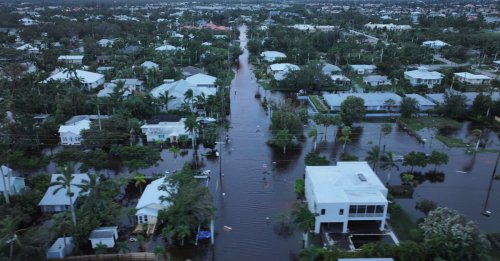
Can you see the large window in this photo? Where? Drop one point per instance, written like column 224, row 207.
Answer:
column 366, row 211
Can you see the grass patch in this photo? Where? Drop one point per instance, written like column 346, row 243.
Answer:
column 417, row 124
column 265, row 85
column 318, row 103
column 452, row 142
column 401, row 222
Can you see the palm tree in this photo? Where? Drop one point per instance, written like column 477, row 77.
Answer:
column 174, row 150
column 92, row 185
column 165, row 98
column 188, row 97
column 313, row 133
column 123, row 247
column 387, row 162
column 476, row 137
column 64, row 182
column 282, row 139
column 62, row 224
column 346, row 131
column 373, row 156
column 192, row 127
column 8, row 232
column 201, row 101
column 139, row 180
column 182, row 231
column 304, row 218
column 73, row 75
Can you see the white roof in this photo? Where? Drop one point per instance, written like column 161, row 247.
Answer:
column 339, row 78
column 149, row 64
column 330, row 68
column 423, row 73
column 59, row 244
column 169, row 129
column 434, row 43
column 70, row 57
column 375, row 78
column 76, row 127
column 284, row 67
column 150, row 199
column 86, row 77
column 104, row 233
column 27, row 47
column 371, row 99
column 109, row 88
column 168, row 47
column 272, row 54
column 496, row 62
column 201, row 79
column 471, row 76
column 60, row 198
column 422, row 101
column 363, row 67
column 351, row 182
column 177, row 89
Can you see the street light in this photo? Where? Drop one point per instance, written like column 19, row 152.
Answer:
column 486, row 212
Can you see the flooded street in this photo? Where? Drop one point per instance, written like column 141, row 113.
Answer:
column 249, row 198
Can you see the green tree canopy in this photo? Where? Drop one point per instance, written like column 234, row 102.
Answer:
column 352, row 110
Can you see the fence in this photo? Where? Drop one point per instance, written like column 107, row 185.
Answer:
column 118, row 257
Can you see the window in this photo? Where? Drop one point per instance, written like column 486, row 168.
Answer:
column 323, row 211
column 352, row 210
column 145, row 219
column 379, row 209
column 341, row 211
column 161, row 136
column 370, row 209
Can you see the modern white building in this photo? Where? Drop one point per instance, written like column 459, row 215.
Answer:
column 348, row 192
column 373, row 101
column 202, row 80
column 438, row 44
column 71, row 59
column 9, row 183
column 363, row 69
column 165, row 130
column 105, row 43
column 376, row 80
column 280, row 70
column 168, row 48
column 70, row 134
column 104, row 236
column 422, row 76
column 151, row 202
column 28, row 48
column 61, row 248
column 89, row 79
column 472, row 79
column 59, row 201
column 272, row 56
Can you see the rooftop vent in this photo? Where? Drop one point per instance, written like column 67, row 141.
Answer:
column 361, row 177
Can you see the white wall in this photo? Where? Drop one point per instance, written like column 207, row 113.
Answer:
column 69, row 138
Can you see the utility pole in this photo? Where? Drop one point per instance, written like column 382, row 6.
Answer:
column 486, row 212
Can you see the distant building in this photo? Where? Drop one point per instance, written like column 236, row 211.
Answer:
column 363, row 69
column 376, row 80
column 438, row 44
column 389, row 27
column 70, row 132
column 280, row 70
column 105, row 43
column 472, row 79
column 272, row 56
column 61, row 248
column 202, row 80
column 106, row 236
column 28, row 48
column 373, row 101
column 424, row 104
column 168, row 48
column 349, row 191
column 191, row 70
column 330, row 69
column 148, row 65
column 164, row 131
column 496, row 65
column 89, row 79
column 422, row 76
column 176, row 90
column 71, row 59
column 9, row 183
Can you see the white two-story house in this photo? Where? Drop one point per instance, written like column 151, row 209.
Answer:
column 348, row 192
column 422, row 76
column 70, row 134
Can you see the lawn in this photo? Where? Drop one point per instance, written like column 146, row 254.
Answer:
column 401, row 222
column 451, row 142
column 417, row 124
column 318, row 103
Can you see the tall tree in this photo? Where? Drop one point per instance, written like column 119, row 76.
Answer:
column 414, row 159
column 352, row 110
column 388, row 162
column 373, row 156
column 139, row 179
column 345, row 137
column 192, row 126
column 282, row 139
column 65, row 182
column 313, row 134
column 438, row 158
column 409, row 107
column 8, row 232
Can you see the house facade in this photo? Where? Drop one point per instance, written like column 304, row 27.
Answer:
column 272, row 56
column 61, row 248
column 70, row 134
column 373, row 101
column 472, row 79
column 422, row 76
column 151, row 202
column 376, row 80
column 164, row 131
column 348, row 192
column 363, row 69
